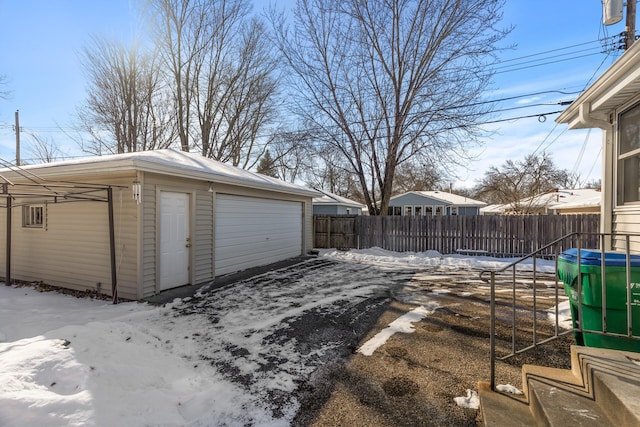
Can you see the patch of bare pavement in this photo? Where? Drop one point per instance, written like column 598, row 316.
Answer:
column 412, row 379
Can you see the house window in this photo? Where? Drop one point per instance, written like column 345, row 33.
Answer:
column 439, row 210
column 417, row 210
column 33, row 216
column 428, row 211
column 628, row 182
column 394, row 210
column 454, row 210
column 408, row 210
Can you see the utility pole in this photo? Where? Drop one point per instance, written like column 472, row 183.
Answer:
column 630, row 25
column 17, row 137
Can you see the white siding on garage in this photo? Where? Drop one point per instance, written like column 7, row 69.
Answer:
column 252, row 231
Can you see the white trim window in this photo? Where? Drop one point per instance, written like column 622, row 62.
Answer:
column 453, row 210
column 628, row 180
column 394, row 210
column 417, row 210
column 428, row 211
column 439, row 210
column 33, row 216
column 408, row 210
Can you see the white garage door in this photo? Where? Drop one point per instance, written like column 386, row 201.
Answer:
column 251, row 232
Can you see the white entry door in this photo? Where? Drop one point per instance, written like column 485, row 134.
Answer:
column 174, row 239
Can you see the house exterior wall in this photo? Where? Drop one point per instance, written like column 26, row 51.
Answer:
column 468, row 210
column 72, row 249
column 412, row 199
column 623, row 218
column 335, row 210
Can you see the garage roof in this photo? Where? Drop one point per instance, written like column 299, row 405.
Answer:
column 168, row 162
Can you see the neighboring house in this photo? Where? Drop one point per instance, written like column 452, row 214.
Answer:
column 176, row 218
column 433, row 203
column 612, row 103
column 577, row 201
column 332, row 204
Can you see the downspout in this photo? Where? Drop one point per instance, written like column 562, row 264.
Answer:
column 112, row 247
column 8, row 240
column 606, row 206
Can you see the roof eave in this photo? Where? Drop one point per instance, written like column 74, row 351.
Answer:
column 616, row 86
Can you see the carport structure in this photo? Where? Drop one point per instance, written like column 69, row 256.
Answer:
column 173, row 218
column 38, row 191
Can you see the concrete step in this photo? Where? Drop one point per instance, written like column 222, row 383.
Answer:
column 600, row 389
column 618, row 397
column 564, row 378
column 556, row 406
column 500, row 409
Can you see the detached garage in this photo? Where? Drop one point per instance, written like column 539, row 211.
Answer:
column 171, row 218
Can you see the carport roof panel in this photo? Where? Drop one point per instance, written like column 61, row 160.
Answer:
column 168, row 162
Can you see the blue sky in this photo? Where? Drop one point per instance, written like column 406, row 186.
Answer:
column 40, row 41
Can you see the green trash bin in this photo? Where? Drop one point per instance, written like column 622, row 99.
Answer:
column 616, row 296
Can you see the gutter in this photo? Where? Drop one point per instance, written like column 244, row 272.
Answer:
column 584, row 115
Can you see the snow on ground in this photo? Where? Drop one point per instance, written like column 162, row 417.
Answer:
column 214, row 359
column 383, row 258
column 402, row 324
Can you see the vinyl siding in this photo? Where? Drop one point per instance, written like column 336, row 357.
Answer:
column 72, row 251
column 626, row 221
column 203, row 237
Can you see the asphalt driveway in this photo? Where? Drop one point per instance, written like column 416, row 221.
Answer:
column 288, row 337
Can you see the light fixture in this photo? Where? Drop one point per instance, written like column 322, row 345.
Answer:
column 136, row 189
column 210, row 190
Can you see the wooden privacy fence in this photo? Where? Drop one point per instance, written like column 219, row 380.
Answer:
column 497, row 235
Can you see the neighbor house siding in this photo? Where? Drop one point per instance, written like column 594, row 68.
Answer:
column 468, row 210
column 72, row 250
column 415, row 199
column 326, row 210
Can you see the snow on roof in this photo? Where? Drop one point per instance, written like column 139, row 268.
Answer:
column 168, row 162
column 562, row 197
column 559, row 199
column 448, row 198
column 333, row 199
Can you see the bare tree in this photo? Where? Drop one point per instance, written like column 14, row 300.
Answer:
column 293, row 154
column 331, row 172
column 385, row 80
column 125, row 110
column 222, row 76
column 43, row 150
column 521, row 183
column 416, row 176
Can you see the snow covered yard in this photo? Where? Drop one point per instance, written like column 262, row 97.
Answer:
column 234, row 356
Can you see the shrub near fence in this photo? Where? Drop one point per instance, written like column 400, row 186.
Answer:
column 498, row 235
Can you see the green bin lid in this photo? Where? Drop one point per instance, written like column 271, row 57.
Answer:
column 594, row 257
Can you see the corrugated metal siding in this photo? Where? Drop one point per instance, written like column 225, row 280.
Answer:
column 73, row 250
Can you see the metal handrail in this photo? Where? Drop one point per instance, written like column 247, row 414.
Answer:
column 577, row 238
